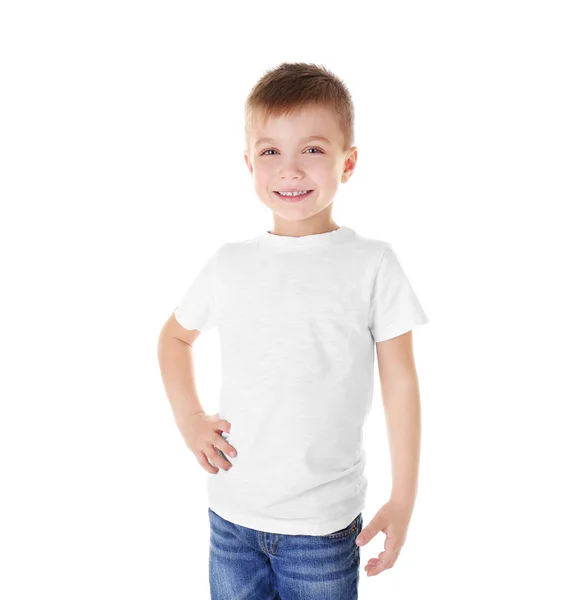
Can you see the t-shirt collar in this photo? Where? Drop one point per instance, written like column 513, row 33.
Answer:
column 315, row 239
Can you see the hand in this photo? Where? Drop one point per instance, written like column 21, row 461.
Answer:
column 201, row 435
column 393, row 519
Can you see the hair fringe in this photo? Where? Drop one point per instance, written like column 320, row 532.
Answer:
column 295, row 85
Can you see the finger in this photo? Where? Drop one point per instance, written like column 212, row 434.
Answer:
column 384, row 558
column 222, row 425
column 220, row 442
column 203, row 460
column 386, row 561
column 368, row 533
column 217, row 458
column 373, row 561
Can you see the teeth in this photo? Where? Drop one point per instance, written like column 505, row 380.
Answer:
column 293, row 193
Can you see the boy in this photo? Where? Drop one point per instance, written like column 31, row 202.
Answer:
column 299, row 310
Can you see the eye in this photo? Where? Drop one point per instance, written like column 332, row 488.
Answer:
column 272, row 150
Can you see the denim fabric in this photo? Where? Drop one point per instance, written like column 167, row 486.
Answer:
column 248, row 564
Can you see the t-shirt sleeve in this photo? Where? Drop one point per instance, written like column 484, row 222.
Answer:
column 395, row 308
column 197, row 308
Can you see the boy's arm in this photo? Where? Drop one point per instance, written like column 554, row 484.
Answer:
column 401, row 401
column 174, row 350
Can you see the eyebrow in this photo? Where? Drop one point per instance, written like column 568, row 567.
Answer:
column 312, row 137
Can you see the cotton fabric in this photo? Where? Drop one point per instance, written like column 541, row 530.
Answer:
column 297, row 319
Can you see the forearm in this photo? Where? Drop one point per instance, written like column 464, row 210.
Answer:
column 401, row 403
column 177, row 372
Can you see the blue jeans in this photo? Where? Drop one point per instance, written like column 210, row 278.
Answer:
column 248, row 564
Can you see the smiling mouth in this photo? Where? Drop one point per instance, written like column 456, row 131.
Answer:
column 293, row 197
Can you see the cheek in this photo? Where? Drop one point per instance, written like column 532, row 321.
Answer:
column 325, row 172
column 261, row 172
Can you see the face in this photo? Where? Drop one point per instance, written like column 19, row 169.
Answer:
column 291, row 160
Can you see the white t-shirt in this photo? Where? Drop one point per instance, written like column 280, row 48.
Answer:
column 297, row 319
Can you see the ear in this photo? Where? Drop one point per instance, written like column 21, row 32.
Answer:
column 248, row 162
column 349, row 164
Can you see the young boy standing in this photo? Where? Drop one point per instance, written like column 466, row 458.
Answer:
column 299, row 310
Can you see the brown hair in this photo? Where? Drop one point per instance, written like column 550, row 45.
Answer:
column 292, row 86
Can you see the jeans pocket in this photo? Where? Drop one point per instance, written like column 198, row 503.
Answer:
column 351, row 529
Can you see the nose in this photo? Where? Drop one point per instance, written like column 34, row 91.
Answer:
column 290, row 170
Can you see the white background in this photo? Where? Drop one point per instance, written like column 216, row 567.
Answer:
column 121, row 169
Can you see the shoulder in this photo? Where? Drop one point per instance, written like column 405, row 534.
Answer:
column 372, row 249
column 233, row 254
column 235, row 247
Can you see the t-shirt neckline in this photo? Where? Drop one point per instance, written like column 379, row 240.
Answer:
column 315, row 239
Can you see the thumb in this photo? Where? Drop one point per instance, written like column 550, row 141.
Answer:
column 367, row 534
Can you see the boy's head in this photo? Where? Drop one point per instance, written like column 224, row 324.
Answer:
column 289, row 104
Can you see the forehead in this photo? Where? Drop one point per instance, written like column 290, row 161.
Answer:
column 300, row 124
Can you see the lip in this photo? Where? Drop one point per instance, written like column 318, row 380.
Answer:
column 293, row 198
